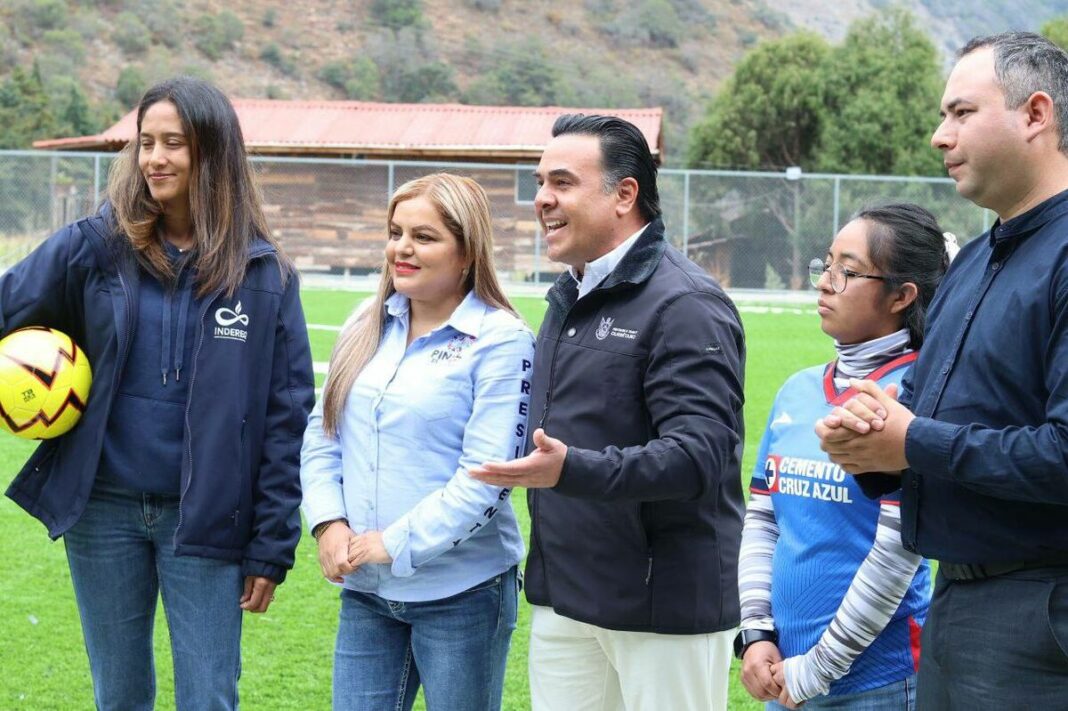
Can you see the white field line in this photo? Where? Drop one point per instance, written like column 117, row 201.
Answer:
column 745, row 309
column 368, row 284
column 321, row 367
column 776, row 310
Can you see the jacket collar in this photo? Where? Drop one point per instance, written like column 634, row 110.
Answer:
column 637, row 265
column 595, row 271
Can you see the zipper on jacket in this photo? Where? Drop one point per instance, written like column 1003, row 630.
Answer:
column 541, row 423
column 126, row 326
column 552, row 368
column 125, row 352
column 126, row 330
column 649, row 570
column 192, row 385
column 552, row 363
column 188, row 401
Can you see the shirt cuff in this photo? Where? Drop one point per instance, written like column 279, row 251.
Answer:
column 396, row 539
column 876, row 485
column 928, row 446
column 263, row 569
column 802, row 681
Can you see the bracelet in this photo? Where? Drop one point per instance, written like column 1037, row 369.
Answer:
column 320, row 528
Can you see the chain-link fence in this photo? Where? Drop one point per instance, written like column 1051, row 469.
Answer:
column 751, row 230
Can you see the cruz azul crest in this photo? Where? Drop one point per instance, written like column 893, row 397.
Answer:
column 604, row 329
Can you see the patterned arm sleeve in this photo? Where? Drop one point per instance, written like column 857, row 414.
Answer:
column 759, row 535
column 868, row 606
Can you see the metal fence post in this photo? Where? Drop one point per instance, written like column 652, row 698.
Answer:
column 96, row 181
column 686, row 214
column 52, row 193
column 837, row 201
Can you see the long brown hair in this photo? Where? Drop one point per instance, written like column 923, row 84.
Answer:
column 464, row 209
column 224, row 202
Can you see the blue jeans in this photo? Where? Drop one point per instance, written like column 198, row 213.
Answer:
column 997, row 643
column 456, row 648
column 899, row 696
column 121, row 556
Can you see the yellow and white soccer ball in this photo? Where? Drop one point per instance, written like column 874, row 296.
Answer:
column 44, row 383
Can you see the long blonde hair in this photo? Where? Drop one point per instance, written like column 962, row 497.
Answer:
column 464, row 209
column 224, row 201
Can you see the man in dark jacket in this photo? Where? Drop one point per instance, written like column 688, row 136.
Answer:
column 979, row 441
column 636, row 405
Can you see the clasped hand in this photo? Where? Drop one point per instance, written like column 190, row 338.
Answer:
column 764, row 675
column 867, row 433
column 341, row 551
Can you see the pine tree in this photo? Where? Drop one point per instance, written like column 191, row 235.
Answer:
column 25, row 112
column 78, row 117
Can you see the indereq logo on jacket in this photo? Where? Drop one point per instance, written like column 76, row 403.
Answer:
column 226, row 318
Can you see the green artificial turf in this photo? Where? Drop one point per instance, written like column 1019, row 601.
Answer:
column 287, row 653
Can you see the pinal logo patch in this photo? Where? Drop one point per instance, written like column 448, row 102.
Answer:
column 453, row 350
column 771, row 472
column 227, row 321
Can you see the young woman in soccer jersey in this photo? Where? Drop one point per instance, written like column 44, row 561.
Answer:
column 832, row 604
column 181, row 479
column 427, row 381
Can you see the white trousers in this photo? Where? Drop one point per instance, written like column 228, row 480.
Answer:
column 576, row 666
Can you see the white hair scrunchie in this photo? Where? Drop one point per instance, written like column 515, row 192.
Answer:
column 951, row 245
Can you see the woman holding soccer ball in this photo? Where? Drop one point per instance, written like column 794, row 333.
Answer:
column 427, row 381
column 832, row 603
column 181, row 478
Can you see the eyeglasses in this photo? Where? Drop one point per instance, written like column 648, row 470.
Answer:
column 840, row 276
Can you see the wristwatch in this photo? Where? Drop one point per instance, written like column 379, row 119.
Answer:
column 748, row 637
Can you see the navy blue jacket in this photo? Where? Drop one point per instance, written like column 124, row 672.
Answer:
column 988, row 451
column 251, row 388
column 642, row 379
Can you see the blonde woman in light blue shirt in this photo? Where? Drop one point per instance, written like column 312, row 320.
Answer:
column 431, row 379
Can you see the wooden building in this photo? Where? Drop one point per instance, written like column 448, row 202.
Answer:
column 329, row 209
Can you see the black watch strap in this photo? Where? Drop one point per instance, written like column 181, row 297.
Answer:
column 748, row 637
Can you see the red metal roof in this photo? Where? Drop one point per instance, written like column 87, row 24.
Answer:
column 393, row 130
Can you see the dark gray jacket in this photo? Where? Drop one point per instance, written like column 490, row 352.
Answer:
column 642, row 379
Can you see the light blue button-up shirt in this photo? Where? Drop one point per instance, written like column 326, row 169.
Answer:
column 417, row 418
column 595, row 272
